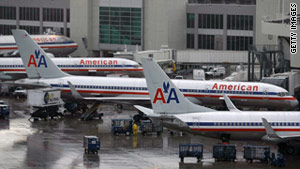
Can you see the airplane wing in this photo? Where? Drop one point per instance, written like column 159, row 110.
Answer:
column 273, row 135
column 7, row 72
column 76, row 95
column 26, row 85
column 148, row 112
column 229, row 104
column 116, row 98
column 12, row 75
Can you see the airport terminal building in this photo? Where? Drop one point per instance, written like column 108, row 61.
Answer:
column 35, row 16
column 102, row 27
column 192, row 27
column 110, row 26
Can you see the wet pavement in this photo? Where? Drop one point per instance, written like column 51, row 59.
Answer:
column 57, row 144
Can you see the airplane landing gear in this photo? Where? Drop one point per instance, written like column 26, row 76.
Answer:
column 285, row 148
column 225, row 138
column 120, row 106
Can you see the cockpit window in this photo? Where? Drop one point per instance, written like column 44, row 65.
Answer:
column 63, row 39
column 282, row 94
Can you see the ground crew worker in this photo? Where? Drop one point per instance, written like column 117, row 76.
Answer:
column 135, row 129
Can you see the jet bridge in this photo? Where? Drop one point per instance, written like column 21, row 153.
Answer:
column 270, row 59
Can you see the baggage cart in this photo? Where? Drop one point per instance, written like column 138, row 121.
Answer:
column 261, row 153
column 190, row 150
column 121, row 126
column 91, row 144
column 224, row 152
column 148, row 127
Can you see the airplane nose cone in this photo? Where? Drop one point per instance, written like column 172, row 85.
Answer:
column 294, row 103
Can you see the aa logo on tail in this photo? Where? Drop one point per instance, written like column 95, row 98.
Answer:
column 36, row 60
column 170, row 93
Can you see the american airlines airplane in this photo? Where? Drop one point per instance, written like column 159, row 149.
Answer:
column 45, row 73
column 167, row 100
column 58, row 45
column 13, row 68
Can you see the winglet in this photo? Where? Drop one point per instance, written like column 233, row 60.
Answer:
column 74, row 92
column 229, row 104
column 269, row 130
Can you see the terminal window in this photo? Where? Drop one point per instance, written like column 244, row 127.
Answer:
column 239, row 43
column 7, row 12
column 34, row 30
column 120, row 25
column 210, row 21
column 53, row 14
column 190, row 41
column 6, row 29
column 240, row 22
column 206, row 41
column 190, row 20
column 30, row 14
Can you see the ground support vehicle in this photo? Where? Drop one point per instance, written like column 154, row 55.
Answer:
column 45, row 104
column 122, row 126
column 4, row 111
column 216, row 72
column 261, row 153
column 190, row 150
column 147, row 126
column 91, row 144
column 224, row 152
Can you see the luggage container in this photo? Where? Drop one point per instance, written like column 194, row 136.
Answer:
column 190, row 150
column 148, row 127
column 4, row 111
column 224, row 152
column 261, row 153
column 121, row 126
column 91, row 144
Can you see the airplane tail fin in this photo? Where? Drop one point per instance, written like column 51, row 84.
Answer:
column 35, row 60
column 165, row 96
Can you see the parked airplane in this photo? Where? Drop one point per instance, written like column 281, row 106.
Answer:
column 166, row 100
column 56, row 44
column 46, row 73
column 13, row 68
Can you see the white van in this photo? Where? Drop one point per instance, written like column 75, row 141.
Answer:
column 216, row 72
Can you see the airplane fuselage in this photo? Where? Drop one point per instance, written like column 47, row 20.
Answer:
column 56, row 44
column 13, row 68
column 246, row 125
column 244, row 94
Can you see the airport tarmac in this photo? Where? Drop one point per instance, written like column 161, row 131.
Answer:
column 57, row 144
